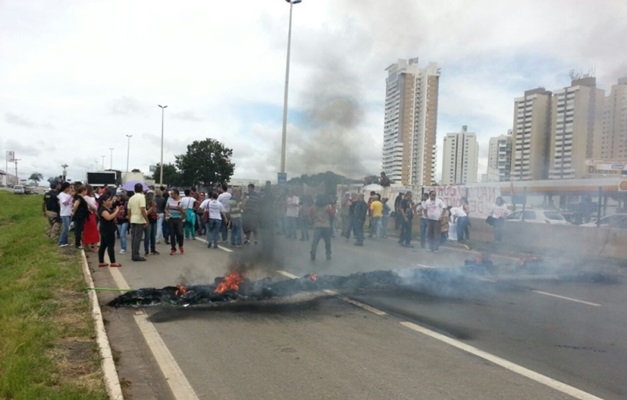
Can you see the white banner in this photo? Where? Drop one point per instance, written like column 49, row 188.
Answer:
column 480, row 199
column 10, row 156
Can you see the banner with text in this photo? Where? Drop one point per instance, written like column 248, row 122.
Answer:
column 481, row 199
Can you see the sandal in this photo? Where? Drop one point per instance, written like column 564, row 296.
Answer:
column 115, row 265
column 103, row 265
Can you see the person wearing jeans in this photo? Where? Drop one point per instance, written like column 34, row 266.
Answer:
column 235, row 218
column 434, row 209
column 216, row 216
column 138, row 218
column 65, row 211
column 160, row 203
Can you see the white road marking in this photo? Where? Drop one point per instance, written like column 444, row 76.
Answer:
column 545, row 380
column 566, row 298
column 219, row 247
column 520, row 370
column 180, row 386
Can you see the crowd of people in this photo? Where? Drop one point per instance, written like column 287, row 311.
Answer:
column 226, row 215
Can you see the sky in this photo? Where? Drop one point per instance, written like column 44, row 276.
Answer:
column 77, row 76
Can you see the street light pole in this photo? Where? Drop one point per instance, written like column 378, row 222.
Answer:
column 287, row 80
column 111, row 160
column 103, row 157
column 128, row 151
column 161, row 163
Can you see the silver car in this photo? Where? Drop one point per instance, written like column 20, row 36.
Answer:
column 18, row 189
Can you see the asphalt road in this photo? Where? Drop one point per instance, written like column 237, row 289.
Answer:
column 319, row 346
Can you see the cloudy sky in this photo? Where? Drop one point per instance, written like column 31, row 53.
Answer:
column 77, row 76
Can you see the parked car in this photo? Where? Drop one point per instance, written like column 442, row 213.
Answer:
column 539, row 216
column 18, row 189
column 613, row 221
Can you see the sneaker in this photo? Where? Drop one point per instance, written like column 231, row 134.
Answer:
column 80, row 248
column 246, row 242
column 139, row 259
column 209, row 245
column 122, row 251
column 182, row 250
column 172, row 252
column 64, row 245
column 145, row 254
column 155, row 253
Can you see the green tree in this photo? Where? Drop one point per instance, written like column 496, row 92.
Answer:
column 171, row 176
column 36, row 177
column 207, row 162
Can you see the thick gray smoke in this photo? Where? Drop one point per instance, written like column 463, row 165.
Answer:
column 331, row 139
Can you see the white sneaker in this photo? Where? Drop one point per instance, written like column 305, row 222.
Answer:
column 122, row 251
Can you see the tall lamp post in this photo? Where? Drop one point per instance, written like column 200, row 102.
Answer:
column 128, row 151
column 287, row 80
column 161, row 163
column 103, row 157
column 111, row 159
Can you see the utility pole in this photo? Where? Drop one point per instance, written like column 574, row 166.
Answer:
column 64, row 173
column 15, row 160
column 111, row 160
column 128, row 151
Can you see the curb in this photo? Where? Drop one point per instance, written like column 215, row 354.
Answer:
column 111, row 379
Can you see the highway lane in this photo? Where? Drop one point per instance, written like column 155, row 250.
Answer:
column 216, row 349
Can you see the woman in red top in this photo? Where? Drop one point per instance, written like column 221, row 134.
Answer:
column 91, row 237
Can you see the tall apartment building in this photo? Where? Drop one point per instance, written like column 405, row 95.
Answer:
column 409, row 132
column 499, row 158
column 576, row 115
column 530, row 135
column 611, row 143
column 460, row 158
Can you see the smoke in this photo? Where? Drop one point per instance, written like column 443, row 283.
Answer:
column 333, row 112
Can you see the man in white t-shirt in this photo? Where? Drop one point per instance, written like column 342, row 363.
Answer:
column 433, row 210
column 225, row 199
column 215, row 216
column 65, row 206
column 291, row 214
column 459, row 216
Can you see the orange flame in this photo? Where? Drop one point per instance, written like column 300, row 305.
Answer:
column 313, row 277
column 230, row 282
column 180, row 290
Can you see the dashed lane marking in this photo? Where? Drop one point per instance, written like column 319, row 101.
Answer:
column 566, row 298
column 510, row 366
column 180, row 386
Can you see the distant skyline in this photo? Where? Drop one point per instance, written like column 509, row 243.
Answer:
column 77, row 76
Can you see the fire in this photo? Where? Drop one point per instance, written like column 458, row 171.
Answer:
column 180, row 290
column 313, row 277
column 230, row 283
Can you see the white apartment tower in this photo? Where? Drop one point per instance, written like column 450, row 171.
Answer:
column 611, row 144
column 460, row 158
column 499, row 158
column 576, row 115
column 410, row 122
column 531, row 135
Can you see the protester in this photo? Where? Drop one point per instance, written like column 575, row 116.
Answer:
column 215, row 215
column 499, row 212
column 291, row 214
column 188, row 203
column 445, row 225
column 250, row 215
column 138, row 218
column 165, row 226
column 224, row 197
column 376, row 213
column 406, row 210
column 150, row 232
column 80, row 214
column 423, row 220
column 303, row 218
column 461, row 220
column 122, row 219
column 236, row 218
column 90, row 232
column 320, row 216
column 466, row 208
column 384, row 218
column 350, row 222
column 107, row 229
column 359, row 219
column 65, row 212
column 433, row 211
column 160, row 203
column 174, row 215
column 52, row 210
column 398, row 218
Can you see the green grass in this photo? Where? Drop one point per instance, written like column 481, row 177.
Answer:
column 47, row 344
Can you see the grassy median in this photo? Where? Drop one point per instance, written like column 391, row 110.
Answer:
column 47, row 340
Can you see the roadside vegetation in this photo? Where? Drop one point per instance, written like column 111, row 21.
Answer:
column 47, row 340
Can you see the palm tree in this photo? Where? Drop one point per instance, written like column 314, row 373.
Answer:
column 36, row 177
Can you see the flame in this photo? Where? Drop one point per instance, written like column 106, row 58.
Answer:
column 313, row 277
column 230, row 282
column 180, row 290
